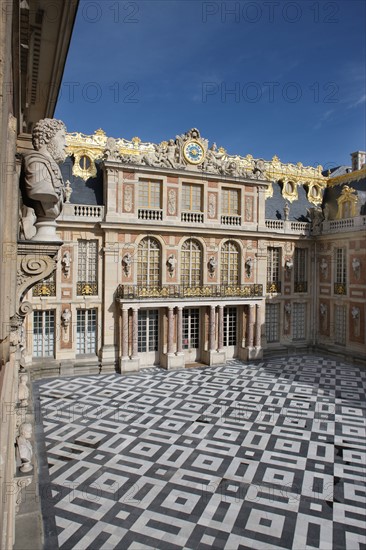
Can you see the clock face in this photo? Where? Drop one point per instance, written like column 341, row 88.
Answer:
column 193, row 152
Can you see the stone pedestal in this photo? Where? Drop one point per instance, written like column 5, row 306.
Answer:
column 171, row 361
column 214, row 357
column 129, row 364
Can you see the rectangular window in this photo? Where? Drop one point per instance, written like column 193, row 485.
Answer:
column 273, row 269
column 230, row 326
column 191, row 325
column 192, row 197
column 230, row 202
column 340, row 278
column 148, row 330
column 149, row 194
column 44, row 333
column 300, row 270
column 86, row 331
column 87, row 268
column 272, row 322
column 298, row 321
column 340, row 325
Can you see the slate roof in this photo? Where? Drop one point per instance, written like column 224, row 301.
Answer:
column 298, row 208
column 84, row 192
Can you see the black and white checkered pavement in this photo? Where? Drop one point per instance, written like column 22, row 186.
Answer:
column 265, row 456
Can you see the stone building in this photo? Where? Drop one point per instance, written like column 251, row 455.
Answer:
column 34, row 40
column 180, row 253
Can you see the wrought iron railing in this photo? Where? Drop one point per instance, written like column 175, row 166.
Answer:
column 131, row 292
column 45, row 288
column 300, row 287
column 340, row 289
column 87, row 288
column 274, row 287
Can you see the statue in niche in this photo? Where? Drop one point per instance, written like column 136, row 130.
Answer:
column 41, row 180
column 212, row 265
column 171, row 263
column 66, row 319
column 25, row 450
column 66, row 263
column 324, row 268
column 249, row 267
column 126, row 262
column 356, row 267
column 23, row 391
column 323, row 314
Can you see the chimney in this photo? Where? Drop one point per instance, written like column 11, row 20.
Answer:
column 358, row 160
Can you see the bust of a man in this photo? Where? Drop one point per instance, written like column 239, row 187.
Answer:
column 24, row 447
column 42, row 184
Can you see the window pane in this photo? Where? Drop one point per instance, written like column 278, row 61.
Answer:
column 272, row 322
column 148, row 262
column 191, row 258
column 229, row 264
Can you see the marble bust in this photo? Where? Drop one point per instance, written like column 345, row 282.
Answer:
column 41, row 181
column 23, row 391
column 24, row 447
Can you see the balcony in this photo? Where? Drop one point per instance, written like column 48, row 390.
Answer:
column 45, row 288
column 348, row 224
column 87, row 288
column 274, row 287
column 288, row 227
column 300, row 287
column 192, row 217
column 231, row 220
column 82, row 213
column 149, row 214
column 179, row 292
column 340, row 289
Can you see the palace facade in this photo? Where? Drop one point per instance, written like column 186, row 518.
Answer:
column 179, row 253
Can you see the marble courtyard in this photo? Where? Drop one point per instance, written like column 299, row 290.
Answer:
column 264, row 455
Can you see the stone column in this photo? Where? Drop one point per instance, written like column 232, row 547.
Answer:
column 124, row 333
column 212, row 329
column 251, row 326
column 170, row 349
column 221, row 329
column 179, row 330
column 135, row 330
column 258, row 326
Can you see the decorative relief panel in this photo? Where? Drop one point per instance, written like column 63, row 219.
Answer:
column 248, row 209
column 127, row 198
column 172, row 201
column 212, row 206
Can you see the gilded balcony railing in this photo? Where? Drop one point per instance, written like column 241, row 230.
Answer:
column 87, row 288
column 132, row 292
column 274, row 287
column 340, row 289
column 300, row 286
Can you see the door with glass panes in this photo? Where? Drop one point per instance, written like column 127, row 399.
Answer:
column 191, row 334
column 230, row 331
column 148, row 337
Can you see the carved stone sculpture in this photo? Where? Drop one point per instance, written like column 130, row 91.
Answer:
column 356, row 267
column 66, row 263
column 68, row 192
column 24, row 447
column 289, row 264
column 41, row 181
column 355, row 312
column 249, row 267
column 126, row 262
column 316, row 218
column 23, row 391
column 286, row 212
column 323, row 310
column 212, row 265
column 171, row 263
column 324, row 268
column 66, row 318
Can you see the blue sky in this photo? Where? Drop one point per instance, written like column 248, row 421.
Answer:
column 260, row 77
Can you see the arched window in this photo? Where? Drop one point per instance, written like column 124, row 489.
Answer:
column 191, row 261
column 148, row 262
column 230, row 263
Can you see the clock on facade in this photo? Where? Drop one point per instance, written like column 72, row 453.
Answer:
column 193, row 152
